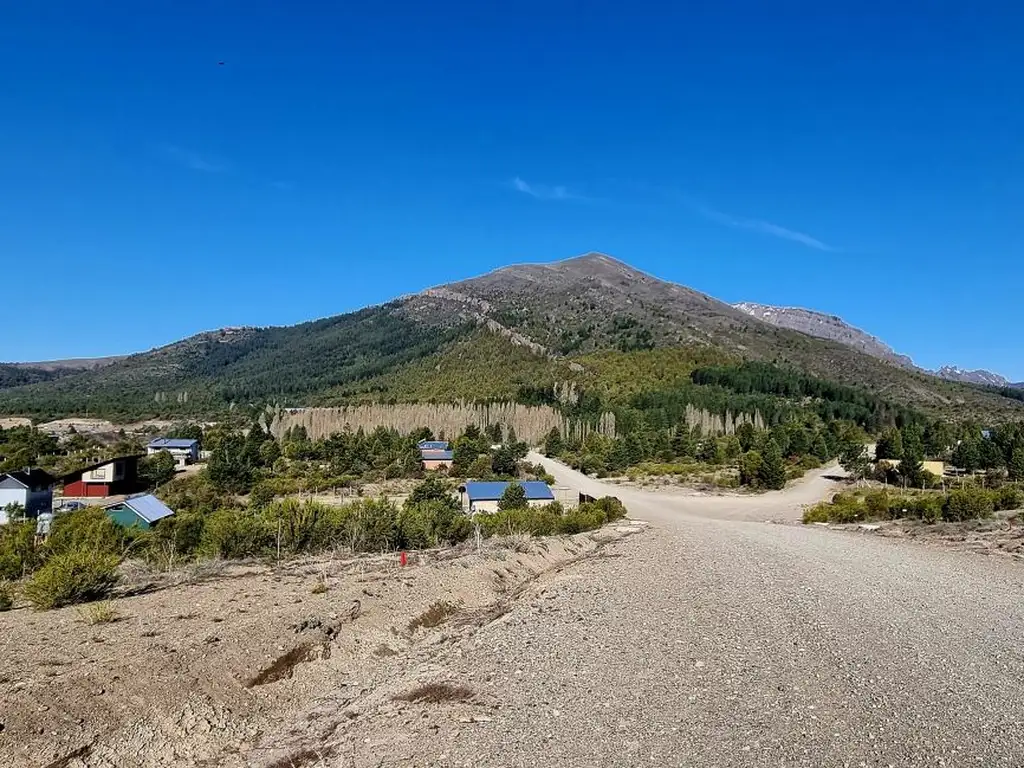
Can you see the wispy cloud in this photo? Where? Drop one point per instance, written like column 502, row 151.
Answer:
column 764, row 227
column 543, row 191
column 194, row 160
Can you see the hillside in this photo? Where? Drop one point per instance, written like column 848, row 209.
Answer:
column 531, row 332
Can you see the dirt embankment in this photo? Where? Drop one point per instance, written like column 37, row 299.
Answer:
column 254, row 664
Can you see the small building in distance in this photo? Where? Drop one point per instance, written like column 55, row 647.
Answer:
column 432, row 445
column 184, row 450
column 108, row 477
column 138, row 511
column 478, row 496
column 433, row 460
column 31, row 489
column 435, row 454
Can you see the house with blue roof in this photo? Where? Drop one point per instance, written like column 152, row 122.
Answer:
column 138, row 511
column 481, row 496
column 432, row 445
column 185, row 451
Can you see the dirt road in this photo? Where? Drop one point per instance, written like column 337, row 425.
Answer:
column 720, row 640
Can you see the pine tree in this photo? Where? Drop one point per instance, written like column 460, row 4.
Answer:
column 514, row 497
column 772, row 473
column 1016, row 464
column 553, row 445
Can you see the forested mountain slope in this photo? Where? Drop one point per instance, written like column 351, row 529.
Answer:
column 588, row 327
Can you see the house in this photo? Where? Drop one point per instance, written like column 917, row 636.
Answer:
column 483, row 496
column 138, row 511
column 436, row 459
column 432, row 445
column 183, row 450
column 109, row 477
column 31, row 489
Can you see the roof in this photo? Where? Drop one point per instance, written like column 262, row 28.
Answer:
column 172, row 442
column 33, row 479
column 436, row 455
column 147, row 506
column 536, row 490
column 432, row 445
column 71, row 476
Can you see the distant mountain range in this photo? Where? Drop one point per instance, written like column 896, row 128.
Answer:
column 834, row 328
column 589, row 324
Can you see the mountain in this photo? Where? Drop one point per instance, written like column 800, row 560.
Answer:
column 583, row 328
column 834, row 328
column 983, row 377
column 825, row 327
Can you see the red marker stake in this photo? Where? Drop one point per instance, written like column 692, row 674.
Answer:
column 402, row 559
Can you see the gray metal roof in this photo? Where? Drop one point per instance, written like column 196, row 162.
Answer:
column 432, row 445
column 148, row 507
column 433, row 455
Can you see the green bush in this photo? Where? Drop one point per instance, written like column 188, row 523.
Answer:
column 968, row 504
column 818, row 513
column 72, row 576
column 371, row 525
column 6, row 596
column 877, row 503
column 585, row 517
column 234, row 533
column 19, row 555
column 92, row 529
column 1009, row 497
column 928, row 507
column 432, row 523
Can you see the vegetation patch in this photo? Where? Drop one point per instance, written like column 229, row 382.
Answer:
column 436, row 615
column 437, row 693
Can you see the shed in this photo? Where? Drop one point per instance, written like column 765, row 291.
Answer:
column 484, row 496
column 138, row 511
column 107, row 477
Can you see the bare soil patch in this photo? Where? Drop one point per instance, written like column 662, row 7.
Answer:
column 248, row 664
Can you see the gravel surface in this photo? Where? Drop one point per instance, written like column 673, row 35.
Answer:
column 717, row 639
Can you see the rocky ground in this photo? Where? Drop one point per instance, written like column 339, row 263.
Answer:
column 223, row 667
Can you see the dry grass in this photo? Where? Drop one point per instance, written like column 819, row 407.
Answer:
column 99, row 613
column 436, row 615
column 436, row 693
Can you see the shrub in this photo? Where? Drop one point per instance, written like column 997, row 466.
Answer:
column 585, row 517
column 818, row 513
column 968, row 504
column 6, row 596
column 73, row 576
column 430, row 523
column 877, row 503
column 19, row 555
column 91, row 529
column 371, row 526
column 1009, row 497
column 928, row 507
column 98, row 613
column 233, row 533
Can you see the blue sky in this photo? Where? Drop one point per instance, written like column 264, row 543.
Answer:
column 861, row 158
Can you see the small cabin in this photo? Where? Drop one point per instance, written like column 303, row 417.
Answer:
column 484, row 496
column 138, row 511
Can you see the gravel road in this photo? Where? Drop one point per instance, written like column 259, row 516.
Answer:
column 717, row 639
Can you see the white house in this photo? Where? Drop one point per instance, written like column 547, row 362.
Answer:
column 484, row 496
column 183, row 450
column 31, row 489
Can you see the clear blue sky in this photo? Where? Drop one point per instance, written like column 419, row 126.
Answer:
column 863, row 158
